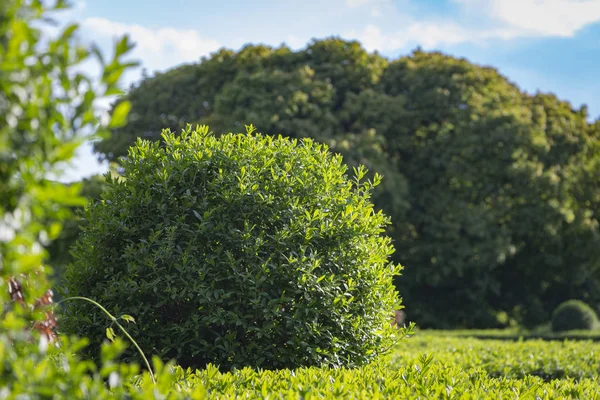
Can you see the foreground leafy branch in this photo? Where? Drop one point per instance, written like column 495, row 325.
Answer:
column 109, row 332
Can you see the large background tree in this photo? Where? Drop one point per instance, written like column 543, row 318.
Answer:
column 489, row 193
column 493, row 192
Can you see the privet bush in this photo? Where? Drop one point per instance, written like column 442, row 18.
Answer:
column 242, row 250
column 573, row 314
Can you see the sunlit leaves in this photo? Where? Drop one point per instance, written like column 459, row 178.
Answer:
column 119, row 114
column 128, row 318
column 110, row 334
column 429, row 367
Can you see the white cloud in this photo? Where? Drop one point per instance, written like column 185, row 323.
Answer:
column 157, row 48
column 79, row 5
column 508, row 19
column 562, row 18
column 296, row 43
column 427, row 34
column 375, row 12
column 375, row 6
column 358, row 3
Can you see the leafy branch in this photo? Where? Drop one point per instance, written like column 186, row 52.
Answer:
column 110, row 332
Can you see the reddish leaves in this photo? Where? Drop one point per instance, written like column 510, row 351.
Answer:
column 46, row 327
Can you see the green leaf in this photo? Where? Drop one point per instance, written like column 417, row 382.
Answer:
column 119, row 115
column 69, row 31
column 110, row 334
column 66, row 151
column 128, row 318
column 123, row 46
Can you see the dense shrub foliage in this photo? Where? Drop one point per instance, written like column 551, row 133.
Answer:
column 243, row 250
column 572, row 315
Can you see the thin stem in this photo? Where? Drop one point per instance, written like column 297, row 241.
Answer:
column 119, row 325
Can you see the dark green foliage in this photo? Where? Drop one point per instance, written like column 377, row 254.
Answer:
column 572, row 315
column 455, row 147
column 283, row 102
column 279, row 91
column 243, row 250
column 493, row 192
column 491, row 223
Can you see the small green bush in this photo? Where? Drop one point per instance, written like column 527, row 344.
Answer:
column 573, row 314
column 242, row 250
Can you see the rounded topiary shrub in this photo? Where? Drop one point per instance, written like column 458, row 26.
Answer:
column 573, row 314
column 239, row 250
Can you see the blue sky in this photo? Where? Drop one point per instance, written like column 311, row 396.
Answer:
column 547, row 45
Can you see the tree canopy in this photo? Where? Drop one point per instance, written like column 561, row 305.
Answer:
column 493, row 192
